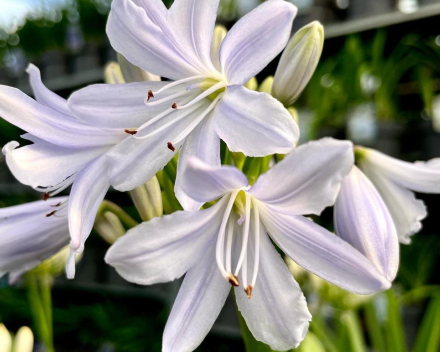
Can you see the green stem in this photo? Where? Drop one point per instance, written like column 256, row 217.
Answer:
column 126, row 219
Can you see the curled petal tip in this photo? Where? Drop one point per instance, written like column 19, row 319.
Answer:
column 233, row 280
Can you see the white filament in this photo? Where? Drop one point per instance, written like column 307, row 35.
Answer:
column 176, row 83
column 229, row 238
column 245, row 233
column 205, row 94
column 221, row 235
column 171, row 97
column 257, row 245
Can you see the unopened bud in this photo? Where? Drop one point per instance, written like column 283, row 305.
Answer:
column 24, row 340
column 133, row 73
column 113, row 73
column 109, row 227
column 217, row 39
column 294, row 113
column 148, row 199
column 266, row 86
column 298, row 63
column 252, row 84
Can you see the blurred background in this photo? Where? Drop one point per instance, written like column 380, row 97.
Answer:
column 378, row 84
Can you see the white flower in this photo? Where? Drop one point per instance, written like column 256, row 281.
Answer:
column 206, row 99
column 363, row 220
column 230, row 242
column 31, row 233
column 65, row 151
column 395, row 179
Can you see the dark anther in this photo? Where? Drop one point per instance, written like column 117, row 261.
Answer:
column 131, row 132
column 171, row 146
column 174, row 106
column 233, row 280
column 150, row 95
column 51, row 213
column 56, row 205
column 46, row 196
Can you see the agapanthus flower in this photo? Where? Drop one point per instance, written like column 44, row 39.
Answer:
column 229, row 243
column 31, row 233
column 205, row 101
column 395, row 180
column 65, row 151
column 362, row 219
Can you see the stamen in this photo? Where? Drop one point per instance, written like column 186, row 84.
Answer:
column 205, row 94
column 220, row 241
column 233, row 280
column 51, row 213
column 248, row 291
column 257, row 245
column 46, row 196
column 165, row 99
column 230, row 235
column 245, row 233
column 171, row 147
column 244, row 270
column 176, row 83
column 54, row 190
column 130, row 132
column 193, row 125
column 174, row 106
column 150, row 95
column 55, row 205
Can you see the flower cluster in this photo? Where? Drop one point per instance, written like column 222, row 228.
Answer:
column 122, row 133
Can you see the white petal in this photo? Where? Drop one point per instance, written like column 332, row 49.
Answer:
column 198, row 304
column 163, row 249
column 134, row 161
column 44, row 164
column 145, row 40
column 405, row 209
column 308, row 179
column 87, row 194
column 192, row 22
column 204, row 144
column 277, row 312
column 133, row 73
column 254, row 123
column 50, row 125
column 28, row 237
column 205, row 182
column 255, row 40
column 419, row 176
column 118, row 105
column 323, row 253
column 363, row 220
column 43, row 95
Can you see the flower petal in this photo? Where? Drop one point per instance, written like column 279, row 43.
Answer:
column 28, row 236
column 134, row 161
column 419, row 176
column 254, row 123
column 133, row 73
column 43, row 95
column 86, row 196
column 255, row 40
column 163, row 249
column 405, row 209
column 205, row 182
column 204, row 144
column 277, row 312
column 363, row 220
column 145, row 40
column 308, row 179
column 322, row 253
column 50, row 125
column 192, row 22
column 201, row 298
column 44, row 164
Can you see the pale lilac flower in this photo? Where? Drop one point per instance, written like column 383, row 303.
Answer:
column 65, row 151
column 31, row 233
column 395, row 180
column 205, row 101
column 363, row 220
column 229, row 243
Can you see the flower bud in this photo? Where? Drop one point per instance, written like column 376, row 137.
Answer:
column 252, row 84
column 266, row 85
column 5, row 339
column 217, row 39
column 132, row 73
column 24, row 340
column 113, row 73
column 298, row 62
column 148, row 199
column 109, row 227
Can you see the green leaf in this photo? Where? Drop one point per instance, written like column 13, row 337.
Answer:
column 374, row 328
column 355, row 335
column 394, row 324
column 428, row 337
